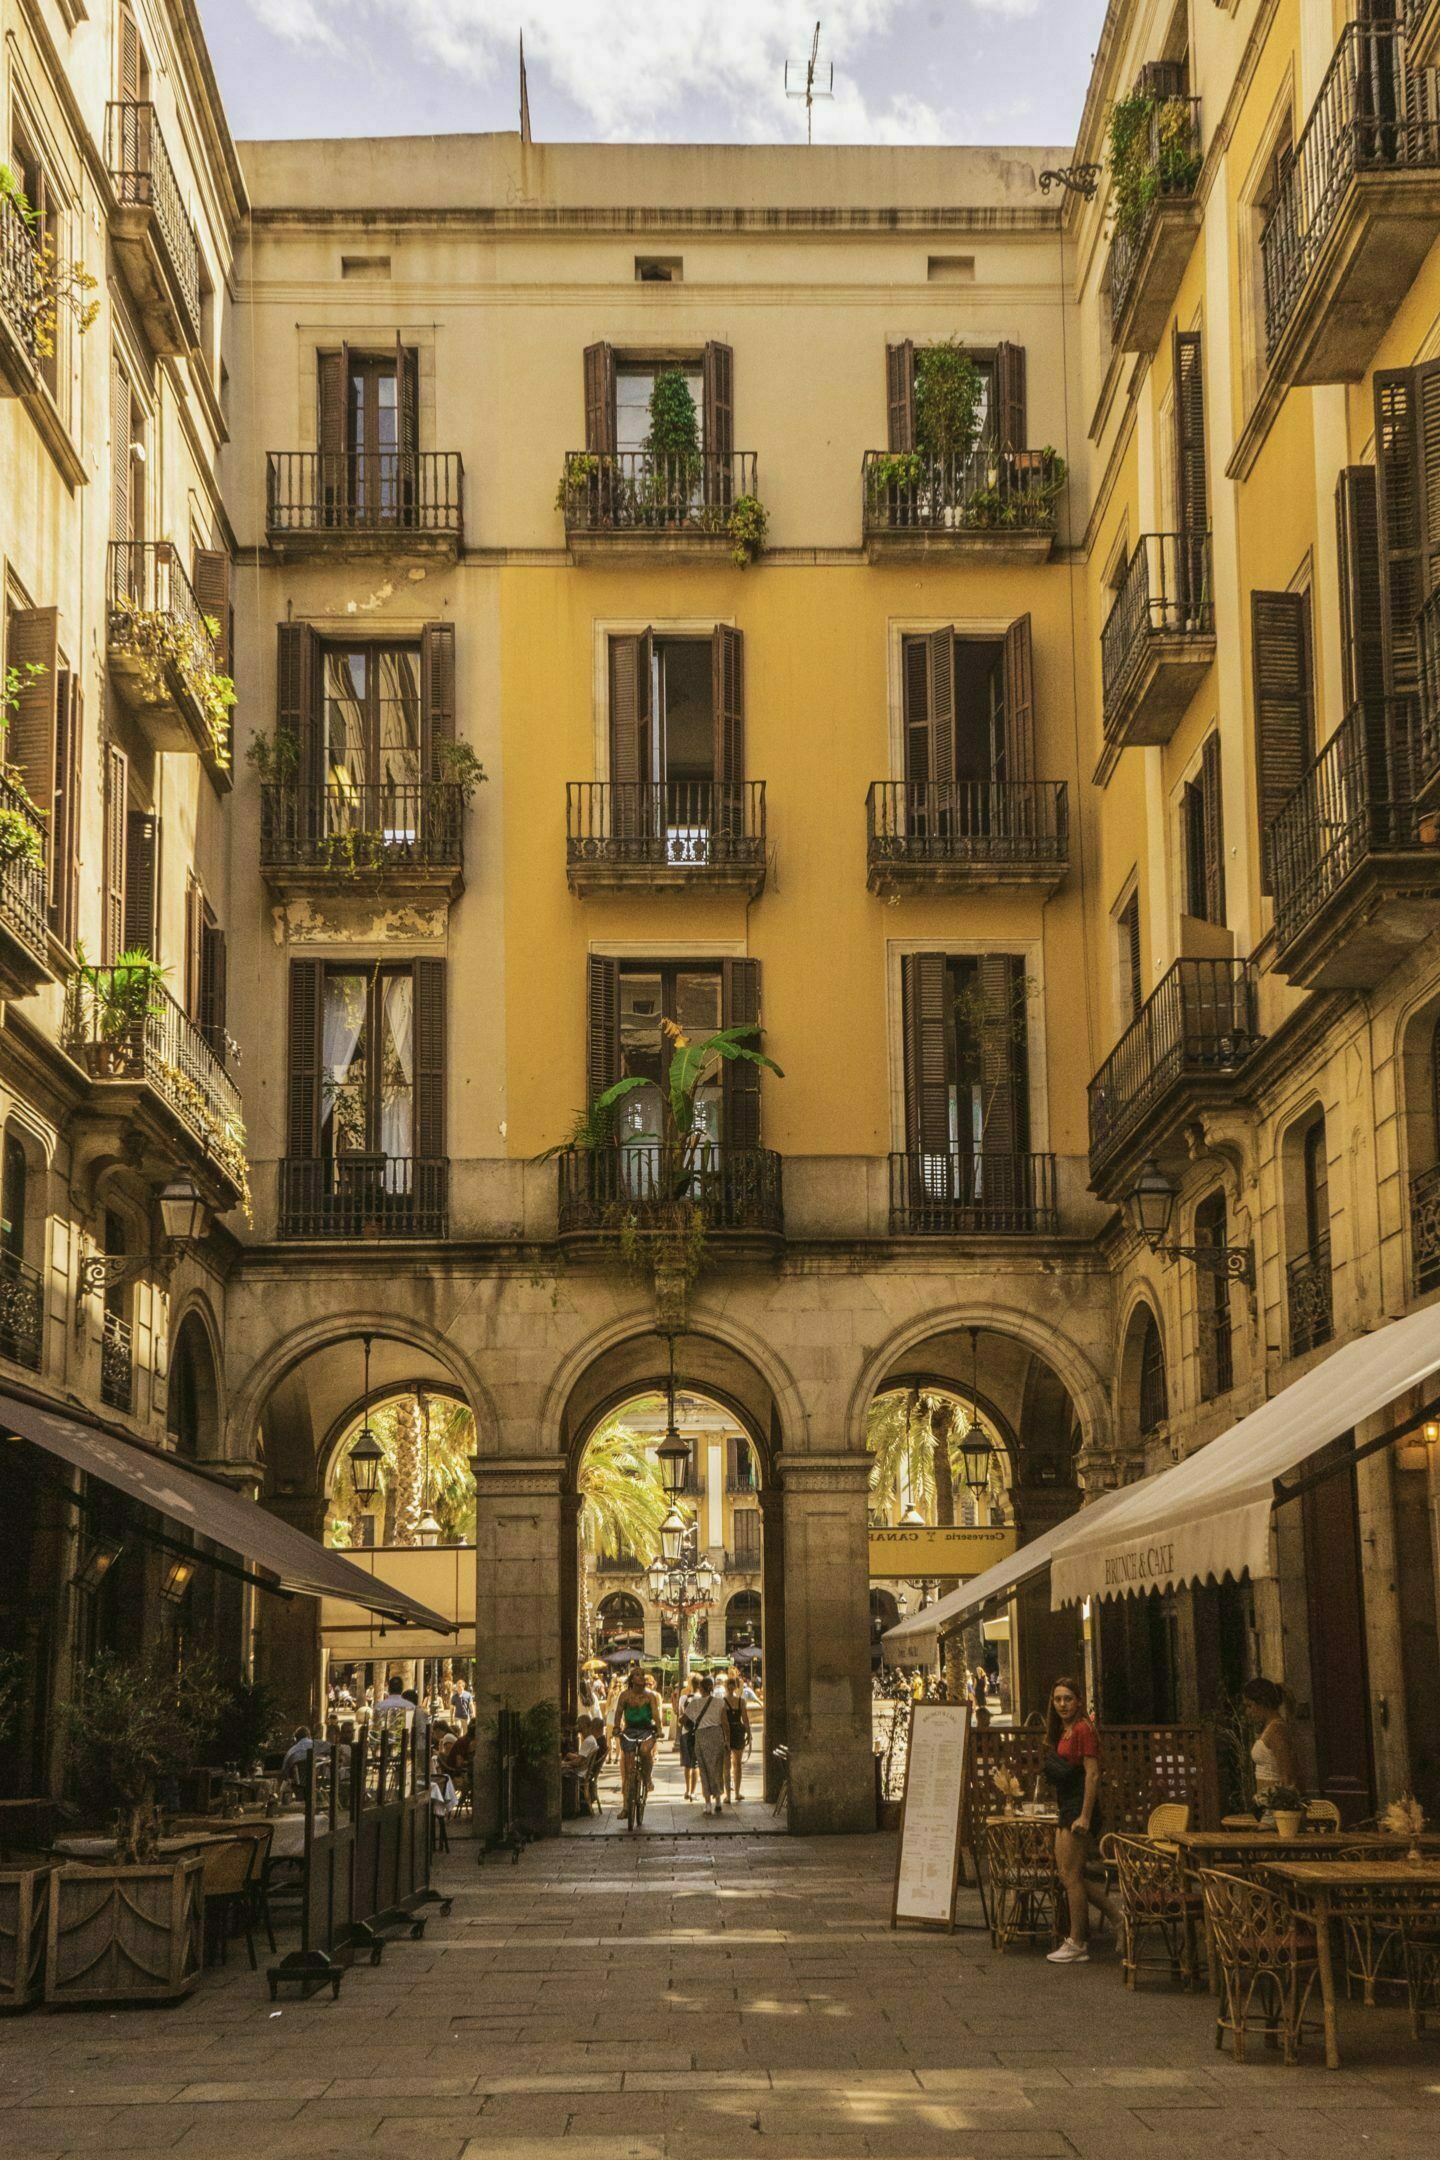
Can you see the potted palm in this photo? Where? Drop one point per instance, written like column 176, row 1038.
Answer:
column 112, row 1007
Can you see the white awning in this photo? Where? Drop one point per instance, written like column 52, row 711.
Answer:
column 1209, row 1517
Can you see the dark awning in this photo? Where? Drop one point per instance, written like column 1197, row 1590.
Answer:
column 211, row 1510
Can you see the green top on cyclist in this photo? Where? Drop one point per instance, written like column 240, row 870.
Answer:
column 637, row 1724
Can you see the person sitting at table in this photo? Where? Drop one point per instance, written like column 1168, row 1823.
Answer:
column 577, row 1762
column 301, row 1747
column 1273, row 1750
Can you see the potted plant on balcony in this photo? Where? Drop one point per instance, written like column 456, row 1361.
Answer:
column 21, row 839
column 1150, row 152
column 949, row 389
column 60, row 287
column 110, row 1006
column 172, row 656
column 673, row 449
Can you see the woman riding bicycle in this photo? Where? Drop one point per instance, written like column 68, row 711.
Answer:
column 637, row 1725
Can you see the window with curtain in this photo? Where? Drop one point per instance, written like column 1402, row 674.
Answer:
column 368, row 1063
column 373, row 737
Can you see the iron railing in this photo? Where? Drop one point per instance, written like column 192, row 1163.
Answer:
column 376, row 826
column 1425, row 1229
column 24, row 891
column 1356, row 800
column 22, row 1312
column 22, row 291
column 364, row 1196
column 990, row 491
column 643, row 1185
column 743, row 1559
column 645, row 491
column 1167, row 592
column 1199, row 1021
column 694, row 825
column 1171, row 168
column 967, row 1195
column 147, row 577
column 365, row 491
column 1217, row 1352
column 619, row 1563
column 968, row 822
column 159, row 1044
column 144, row 179
column 1374, row 113
column 117, row 1363
column 1307, row 1285
column 1427, row 742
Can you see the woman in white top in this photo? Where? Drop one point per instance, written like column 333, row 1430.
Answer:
column 1273, row 1751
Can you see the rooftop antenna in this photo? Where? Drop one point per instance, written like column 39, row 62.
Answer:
column 525, row 136
column 813, row 84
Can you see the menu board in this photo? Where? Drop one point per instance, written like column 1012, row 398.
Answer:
column 927, row 1866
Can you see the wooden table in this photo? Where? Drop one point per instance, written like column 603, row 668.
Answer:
column 101, row 1849
column 1354, row 1889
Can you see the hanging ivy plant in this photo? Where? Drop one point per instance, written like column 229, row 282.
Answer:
column 747, row 527
column 66, row 287
column 163, row 643
column 1151, row 151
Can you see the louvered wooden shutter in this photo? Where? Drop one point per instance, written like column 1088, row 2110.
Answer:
column 1002, row 1058
column 1019, row 693
column 194, row 941
column 600, row 423
column 1213, row 827
column 1191, row 478
column 305, row 1054
column 900, row 395
column 1281, row 668
column 1130, row 952
column 915, row 681
column 728, row 694
column 121, row 437
column 602, row 1026
column 213, row 987
column 333, row 379
column 1407, row 458
column 299, row 682
column 1012, row 423
column 940, row 703
column 117, row 812
column 718, row 395
column 407, row 396
column 142, row 872
column 210, row 575
column 437, row 689
column 740, row 1006
column 430, row 1059
column 131, row 62
column 65, row 824
column 29, row 741
column 1362, row 620
column 631, row 663
column 924, row 986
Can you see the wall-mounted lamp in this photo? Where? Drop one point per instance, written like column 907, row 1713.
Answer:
column 184, row 1215
column 99, row 1557
column 176, row 1580
column 1150, row 1204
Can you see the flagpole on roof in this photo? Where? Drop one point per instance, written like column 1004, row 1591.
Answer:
column 525, row 135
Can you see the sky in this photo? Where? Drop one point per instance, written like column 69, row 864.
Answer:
column 906, row 71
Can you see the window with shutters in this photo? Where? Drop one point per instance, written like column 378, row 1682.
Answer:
column 33, row 771
column 1212, row 1294
column 967, row 1076
column 367, row 1069
column 42, row 229
column 745, row 1530
column 371, row 726
column 1203, row 837
column 205, row 987
column 655, row 1004
column 1154, row 1393
column 1306, row 1169
column 1283, row 690
column 659, row 455
column 1129, row 975
column 369, row 431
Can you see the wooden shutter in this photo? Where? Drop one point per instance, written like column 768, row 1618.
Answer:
column 65, row 824
column 1362, row 620
column 407, row 396
column 213, row 987
column 1407, row 459
column 1281, row 669
column 900, row 395
column 334, row 420
column 602, row 1026
column 210, row 575
column 1192, row 485
column 718, row 396
column 142, row 873
column 437, row 689
column 430, row 1060
column 121, row 437
column 631, row 665
column 600, row 424
column 29, row 742
column 194, row 940
column 925, row 1001
column 1212, row 830
column 1002, row 1057
column 728, row 695
column 740, row 1006
column 117, row 811
column 1129, row 926
column 299, row 679
column 1011, row 419
column 940, row 702
column 132, row 65
column 307, row 988
column 915, row 688
column 1019, row 693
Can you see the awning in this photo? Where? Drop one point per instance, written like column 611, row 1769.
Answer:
column 210, row 1510
column 443, row 1576
column 1209, row 1516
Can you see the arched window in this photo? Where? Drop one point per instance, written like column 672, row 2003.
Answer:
column 1308, row 1272
column 192, row 1408
column 22, row 1314
column 1154, row 1392
column 742, row 1622
column 621, row 1623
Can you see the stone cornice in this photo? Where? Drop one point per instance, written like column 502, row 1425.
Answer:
column 652, row 218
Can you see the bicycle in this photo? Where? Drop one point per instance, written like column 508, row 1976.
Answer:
column 639, row 1790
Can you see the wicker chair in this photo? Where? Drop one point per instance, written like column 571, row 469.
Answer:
column 1167, row 1820
column 1020, row 1866
column 1267, row 1960
column 228, row 1891
column 1154, row 1897
column 1322, row 1815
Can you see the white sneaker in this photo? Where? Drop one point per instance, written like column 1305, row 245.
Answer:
column 1070, row 1952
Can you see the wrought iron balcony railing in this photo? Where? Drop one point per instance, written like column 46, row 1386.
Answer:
column 1005, row 823
column 22, row 1312
column 991, row 492
column 120, row 1030
column 371, row 828
column 1357, row 800
column 117, row 1363
column 1171, row 167
column 364, row 1196
column 1167, row 593
column 645, row 491
column 619, row 1563
column 22, row 293
column 688, row 825
column 965, row 1195
column 1427, row 743
column 1425, row 1229
column 144, row 179
column 24, row 894
column 742, row 1559
column 641, row 1184
column 1374, row 113
column 1199, row 1021
column 404, row 493
column 147, row 577
column 1217, row 1353
column 1307, row 1285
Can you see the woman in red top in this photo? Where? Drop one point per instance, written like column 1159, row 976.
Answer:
column 1072, row 1767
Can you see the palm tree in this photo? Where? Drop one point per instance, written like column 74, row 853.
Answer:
column 622, row 1502
column 407, row 1423
column 452, row 1485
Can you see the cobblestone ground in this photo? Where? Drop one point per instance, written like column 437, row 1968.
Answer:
column 657, row 1998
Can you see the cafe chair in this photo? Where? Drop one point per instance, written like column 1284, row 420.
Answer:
column 1023, row 1886
column 1421, row 1954
column 1168, row 1819
column 1267, row 1961
column 1322, row 1815
column 228, row 1895
column 1155, row 1898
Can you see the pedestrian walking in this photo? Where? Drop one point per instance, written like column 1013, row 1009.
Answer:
column 709, row 1731
column 1072, row 1768
column 737, row 1735
column 687, row 1711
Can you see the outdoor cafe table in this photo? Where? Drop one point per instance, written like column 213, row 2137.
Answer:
column 1326, row 1890
column 101, row 1849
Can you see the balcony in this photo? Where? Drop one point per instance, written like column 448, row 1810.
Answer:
column 1308, row 1302
column 117, row 1364
column 24, row 895
column 1422, row 32
column 1357, row 887
column 966, row 1195
column 637, row 503
column 349, row 503
column 639, row 1186
column 1358, row 212
column 1186, row 1050
column 161, row 650
column 994, row 506
column 22, row 301
column 377, row 836
column 158, row 1092
column 154, row 240
column 744, row 1560
column 364, row 1196
column 679, row 836
column 22, row 1312
column 966, row 835
column 618, row 1563
column 1425, row 1230
column 1159, row 639
column 1153, row 244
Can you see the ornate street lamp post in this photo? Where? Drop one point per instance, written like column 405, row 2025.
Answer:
column 682, row 1581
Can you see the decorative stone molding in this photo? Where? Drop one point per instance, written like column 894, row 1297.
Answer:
column 825, row 1473
column 521, row 1477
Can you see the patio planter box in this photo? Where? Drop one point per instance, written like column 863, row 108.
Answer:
column 22, row 1934
column 125, row 1934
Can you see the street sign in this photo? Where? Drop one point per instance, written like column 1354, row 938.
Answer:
column 915, row 1554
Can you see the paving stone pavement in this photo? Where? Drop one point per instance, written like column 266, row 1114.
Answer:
column 656, row 1998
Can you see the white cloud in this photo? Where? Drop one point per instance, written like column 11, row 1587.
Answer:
column 1011, row 9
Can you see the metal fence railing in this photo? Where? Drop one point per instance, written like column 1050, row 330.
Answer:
column 1356, row 800
column 649, row 491
column 22, row 289
column 1200, row 1020
column 990, row 491
column 369, row 492
column 117, row 1362
column 24, row 891
column 160, row 1044
column 1171, row 168
column 1002, row 823
column 372, row 826
column 642, row 1184
column 364, row 1196
column 1166, row 592
column 972, row 1195
column 1308, row 1299
column 144, row 178
column 22, row 1312
column 693, row 825
column 1425, row 1229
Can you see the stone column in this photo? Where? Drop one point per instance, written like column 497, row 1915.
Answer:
column 517, row 1611
column 772, row 1634
column 288, row 1631
column 827, row 1642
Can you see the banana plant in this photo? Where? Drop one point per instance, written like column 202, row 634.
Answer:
column 692, row 1064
